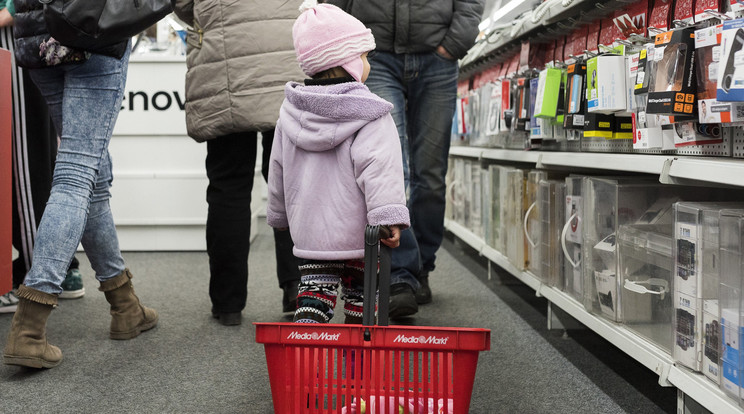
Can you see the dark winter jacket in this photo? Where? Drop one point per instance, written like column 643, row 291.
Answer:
column 35, row 48
column 418, row 26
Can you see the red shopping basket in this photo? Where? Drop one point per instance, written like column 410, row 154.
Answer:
column 333, row 368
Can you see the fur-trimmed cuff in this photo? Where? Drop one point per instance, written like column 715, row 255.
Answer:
column 37, row 296
column 116, row 282
column 392, row 214
column 277, row 221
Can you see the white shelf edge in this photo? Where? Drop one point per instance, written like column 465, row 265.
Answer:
column 695, row 385
column 722, row 171
column 496, row 154
column 642, row 163
column 701, row 389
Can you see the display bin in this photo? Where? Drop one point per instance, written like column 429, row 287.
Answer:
column 608, row 204
column 460, row 202
column 474, row 224
column 571, row 237
column 486, row 198
column 531, row 223
column 696, row 285
column 513, row 217
column 645, row 282
column 551, row 195
column 492, row 190
column 730, row 301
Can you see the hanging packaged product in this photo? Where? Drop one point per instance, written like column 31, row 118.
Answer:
column 735, row 9
column 684, row 11
column 547, row 93
column 674, row 86
column 494, row 118
column 647, row 132
column 660, row 16
column 692, row 133
column 606, row 79
column 540, row 128
column 575, row 96
column 522, row 104
column 646, row 69
column 631, row 20
column 623, row 128
column 598, row 125
column 731, row 65
column 707, row 55
column 701, row 7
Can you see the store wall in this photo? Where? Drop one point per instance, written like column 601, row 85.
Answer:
column 159, row 191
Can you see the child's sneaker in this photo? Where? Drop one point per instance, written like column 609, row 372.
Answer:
column 8, row 302
column 72, row 287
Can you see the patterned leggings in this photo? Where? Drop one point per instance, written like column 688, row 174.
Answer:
column 319, row 283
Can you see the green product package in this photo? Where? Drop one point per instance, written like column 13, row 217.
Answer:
column 548, row 91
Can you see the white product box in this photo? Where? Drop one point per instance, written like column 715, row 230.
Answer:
column 606, row 84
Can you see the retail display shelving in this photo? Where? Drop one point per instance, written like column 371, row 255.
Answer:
column 670, row 168
column 693, row 384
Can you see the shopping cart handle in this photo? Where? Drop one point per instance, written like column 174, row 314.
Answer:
column 385, row 232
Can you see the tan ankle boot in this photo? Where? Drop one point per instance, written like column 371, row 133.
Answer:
column 128, row 317
column 27, row 344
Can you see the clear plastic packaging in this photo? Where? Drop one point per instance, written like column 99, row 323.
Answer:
column 730, row 301
column 551, row 195
column 608, row 204
column 532, row 227
column 645, row 282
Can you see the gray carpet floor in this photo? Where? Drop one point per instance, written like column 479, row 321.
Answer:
column 191, row 364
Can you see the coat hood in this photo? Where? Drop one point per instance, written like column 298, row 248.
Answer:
column 320, row 117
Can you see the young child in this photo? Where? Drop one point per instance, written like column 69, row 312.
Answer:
column 336, row 163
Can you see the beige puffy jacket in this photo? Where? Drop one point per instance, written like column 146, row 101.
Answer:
column 239, row 56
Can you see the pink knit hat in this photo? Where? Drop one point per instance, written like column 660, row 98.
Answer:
column 326, row 37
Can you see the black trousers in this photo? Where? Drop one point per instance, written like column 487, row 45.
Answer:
column 230, row 164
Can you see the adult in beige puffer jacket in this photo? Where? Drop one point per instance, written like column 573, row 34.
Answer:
column 239, row 57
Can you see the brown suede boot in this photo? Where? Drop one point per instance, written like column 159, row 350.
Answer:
column 128, row 317
column 27, row 344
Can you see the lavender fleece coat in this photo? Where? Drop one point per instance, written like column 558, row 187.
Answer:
column 336, row 165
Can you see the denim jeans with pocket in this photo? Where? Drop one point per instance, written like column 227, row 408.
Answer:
column 423, row 89
column 84, row 101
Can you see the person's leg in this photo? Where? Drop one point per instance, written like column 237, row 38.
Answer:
column 287, row 265
column 318, row 290
column 34, row 150
column 352, row 291
column 230, row 163
column 388, row 78
column 432, row 98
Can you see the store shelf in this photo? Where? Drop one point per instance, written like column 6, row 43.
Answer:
column 695, row 385
column 670, row 169
column 721, row 171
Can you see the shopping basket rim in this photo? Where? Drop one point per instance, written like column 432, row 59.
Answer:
column 388, row 337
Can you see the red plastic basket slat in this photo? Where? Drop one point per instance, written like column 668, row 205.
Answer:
column 322, row 368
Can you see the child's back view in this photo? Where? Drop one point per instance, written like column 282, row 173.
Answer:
column 336, row 163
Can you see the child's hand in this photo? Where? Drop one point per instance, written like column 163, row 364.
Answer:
column 394, row 240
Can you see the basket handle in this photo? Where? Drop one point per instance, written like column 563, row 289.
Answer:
column 372, row 246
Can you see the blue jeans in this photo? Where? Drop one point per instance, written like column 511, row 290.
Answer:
column 84, row 101
column 423, row 89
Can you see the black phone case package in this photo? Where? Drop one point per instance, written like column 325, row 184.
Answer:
column 673, row 89
column 731, row 65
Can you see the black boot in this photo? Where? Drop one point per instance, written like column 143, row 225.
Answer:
column 289, row 299
column 402, row 301
column 423, row 294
